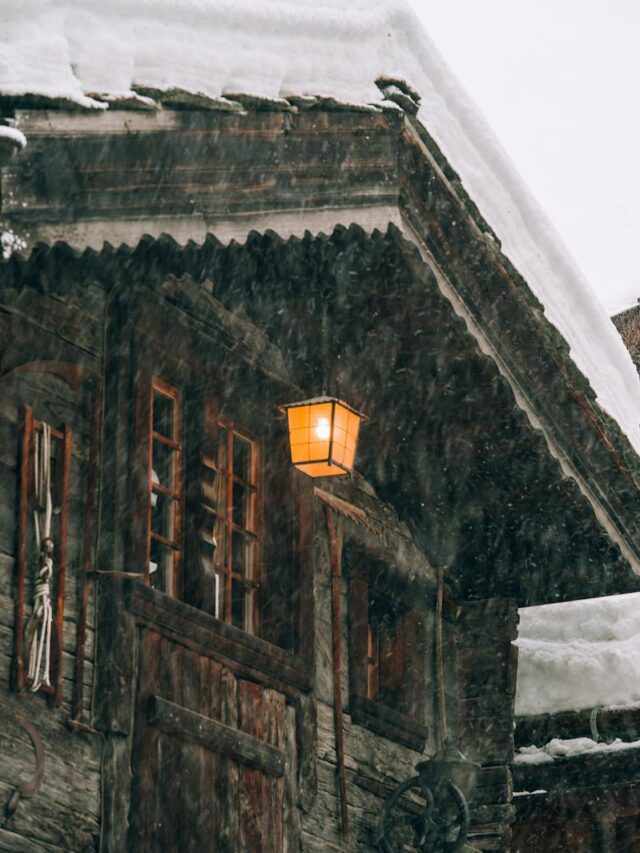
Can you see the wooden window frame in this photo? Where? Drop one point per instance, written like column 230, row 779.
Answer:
column 260, row 658
column 174, row 493
column 25, row 561
column 365, row 707
column 252, row 532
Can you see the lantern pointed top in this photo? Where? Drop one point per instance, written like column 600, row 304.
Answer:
column 312, row 401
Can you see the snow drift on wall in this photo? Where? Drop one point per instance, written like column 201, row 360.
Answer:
column 579, row 654
column 88, row 49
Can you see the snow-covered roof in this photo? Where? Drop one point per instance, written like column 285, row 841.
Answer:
column 559, row 748
column 579, row 654
column 85, row 50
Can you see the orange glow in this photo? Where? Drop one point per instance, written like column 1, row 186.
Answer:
column 323, row 435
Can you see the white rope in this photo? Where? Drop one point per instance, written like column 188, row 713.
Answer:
column 39, row 626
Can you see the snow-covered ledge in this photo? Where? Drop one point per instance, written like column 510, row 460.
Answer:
column 11, row 141
column 579, row 655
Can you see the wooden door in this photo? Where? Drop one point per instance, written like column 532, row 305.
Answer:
column 208, row 755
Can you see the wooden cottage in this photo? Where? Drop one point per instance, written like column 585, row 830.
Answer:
column 241, row 657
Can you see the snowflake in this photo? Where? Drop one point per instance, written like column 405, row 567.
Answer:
column 11, row 242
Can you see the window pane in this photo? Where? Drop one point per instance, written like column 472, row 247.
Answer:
column 241, row 508
column 220, row 539
column 218, row 600
column 160, row 566
column 241, row 458
column 206, row 593
column 387, row 671
column 163, row 414
column 241, row 554
column 241, row 605
column 162, row 515
column 163, row 464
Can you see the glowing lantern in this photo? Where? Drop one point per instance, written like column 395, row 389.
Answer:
column 323, row 434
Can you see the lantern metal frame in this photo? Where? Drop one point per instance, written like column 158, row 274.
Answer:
column 328, row 459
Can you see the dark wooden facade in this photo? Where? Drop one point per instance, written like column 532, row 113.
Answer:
column 177, row 729
column 587, row 802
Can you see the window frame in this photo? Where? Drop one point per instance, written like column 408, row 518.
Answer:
column 365, row 708
column 205, row 390
column 176, row 493
column 216, row 420
column 63, row 435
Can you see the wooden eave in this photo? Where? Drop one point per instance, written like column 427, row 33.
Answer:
column 200, row 167
column 447, row 444
column 196, row 170
column 533, row 354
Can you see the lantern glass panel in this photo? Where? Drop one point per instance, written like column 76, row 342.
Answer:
column 323, row 435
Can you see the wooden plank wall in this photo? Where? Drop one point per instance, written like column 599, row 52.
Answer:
column 487, row 665
column 374, row 764
column 192, row 789
column 64, row 812
column 130, row 164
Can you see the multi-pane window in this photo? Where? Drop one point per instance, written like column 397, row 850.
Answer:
column 229, row 540
column 387, row 645
column 165, row 487
column 213, row 539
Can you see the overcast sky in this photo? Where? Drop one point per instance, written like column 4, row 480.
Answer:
column 558, row 80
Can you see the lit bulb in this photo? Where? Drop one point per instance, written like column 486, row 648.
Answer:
column 323, row 430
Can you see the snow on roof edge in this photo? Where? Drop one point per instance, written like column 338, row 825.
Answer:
column 280, row 48
column 578, row 655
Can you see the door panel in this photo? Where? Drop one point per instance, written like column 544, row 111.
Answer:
column 196, row 786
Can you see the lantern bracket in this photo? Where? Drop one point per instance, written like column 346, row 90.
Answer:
column 441, row 825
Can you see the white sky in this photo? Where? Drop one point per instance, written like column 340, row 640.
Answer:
column 559, row 80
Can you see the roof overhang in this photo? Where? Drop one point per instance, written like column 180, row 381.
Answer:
column 91, row 180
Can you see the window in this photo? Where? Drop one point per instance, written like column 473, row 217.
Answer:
column 229, row 544
column 387, row 643
column 44, row 487
column 222, row 527
column 165, row 488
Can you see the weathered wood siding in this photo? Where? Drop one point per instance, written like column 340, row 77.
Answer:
column 194, row 789
column 487, row 664
column 64, row 812
column 171, row 653
column 586, row 801
column 374, row 764
column 202, row 165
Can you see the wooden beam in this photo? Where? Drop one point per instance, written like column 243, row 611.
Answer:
column 87, row 552
column 21, row 563
column 211, row 637
column 225, row 740
column 335, row 552
column 62, row 562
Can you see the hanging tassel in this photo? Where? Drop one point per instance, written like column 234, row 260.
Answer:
column 39, row 627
